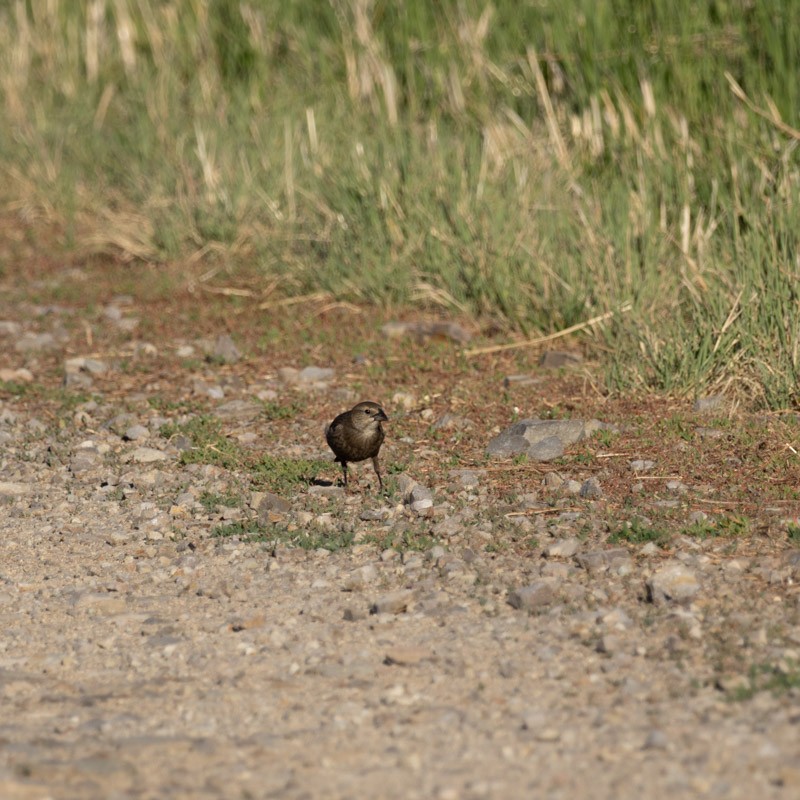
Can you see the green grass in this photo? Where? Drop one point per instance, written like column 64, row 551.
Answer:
column 210, row 501
column 209, row 444
column 284, row 475
column 637, row 532
column 538, row 162
column 769, row 678
column 254, row 531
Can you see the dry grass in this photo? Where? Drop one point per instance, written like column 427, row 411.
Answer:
column 490, row 160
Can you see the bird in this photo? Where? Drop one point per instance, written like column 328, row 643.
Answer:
column 357, row 435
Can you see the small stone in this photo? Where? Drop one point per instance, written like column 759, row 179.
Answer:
column 672, row 582
column 553, row 480
column 609, row 644
column 656, row 740
column 677, row 486
column 591, row 490
column 406, row 656
column 392, row 603
column 556, row 359
column 709, row 433
column 35, row 342
column 315, row 375
column 452, row 422
column 563, row 548
column 529, row 598
column 520, row 380
column 136, row 432
column 704, row 405
column 420, row 498
column 239, row 410
column 273, row 504
column 597, row 561
column 404, row 400
column 148, row 455
column 225, row 350
column 641, row 465
column 360, row 578
column 468, row 478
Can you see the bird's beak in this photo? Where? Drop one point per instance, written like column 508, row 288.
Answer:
column 381, row 416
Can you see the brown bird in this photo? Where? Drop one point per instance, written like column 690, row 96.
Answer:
column 357, row 435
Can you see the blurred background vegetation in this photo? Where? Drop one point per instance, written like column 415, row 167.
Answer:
column 536, row 162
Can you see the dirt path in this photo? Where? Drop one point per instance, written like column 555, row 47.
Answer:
column 506, row 642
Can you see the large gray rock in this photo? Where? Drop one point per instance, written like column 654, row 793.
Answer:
column 674, row 582
column 539, row 439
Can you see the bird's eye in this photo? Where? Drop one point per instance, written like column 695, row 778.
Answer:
column 367, row 411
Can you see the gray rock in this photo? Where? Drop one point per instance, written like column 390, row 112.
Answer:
column 136, row 432
column 546, row 449
column 656, row 740
column 225, row 350
column 528, row 598
column 272, row 503
column 551, row 436
column 392, row 603
column 84, row 459
column 677, row 486
column 641, row 465
column 674, row 582
column 315, row 375
column 360, row 578
column 555, row 359
column 35, row 342
column 597, row 561
column 82, row 364
column 120, row 423
column 591, row 490
column 452, row 422
column 520, row 380
column 420, row 498
column 553, row 480
column 326, row 491
column 239, row 410
column 466, row 477
column 405, row 484
column 148, row 455
column 709, row 433
column 705, row 405
column 563, row 548
column 427, row 330
column 448, row 528
column 609, row 643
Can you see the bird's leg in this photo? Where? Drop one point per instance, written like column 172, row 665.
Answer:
column 344, row 472
column 377, row 467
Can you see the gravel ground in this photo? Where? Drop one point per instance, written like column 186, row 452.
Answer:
column 143, row 656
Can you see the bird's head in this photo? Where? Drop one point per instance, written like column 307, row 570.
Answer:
column 367, row 415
